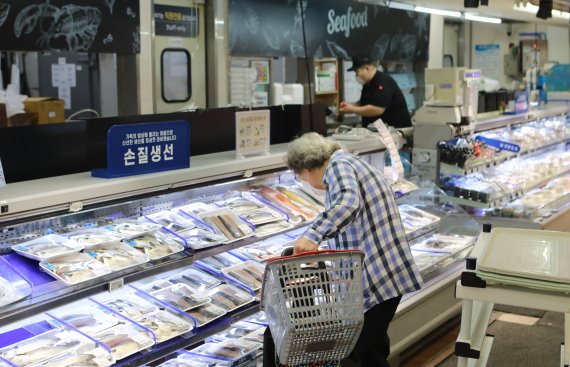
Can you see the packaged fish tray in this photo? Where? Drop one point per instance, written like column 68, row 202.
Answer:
column 232, row 352
column 83, row 356
column 181, row 296
column 196, row 279
column 296, row 212
column 132, row 306
column 155, row 285
column 238, row 330
column 428, row 260
column 417, row 221
column 75, row 268
column 172, row 221
column 47, row 247
column 155, row 246
column 165, row 325
column 266, row 250
column 198, row 238
column 298, row 196
column 117, row 256
column 450, row 244
column 194, row 209
column 89, row 319
column 88, row 237
column 272, row 228
column 226, row 223
column 131, row 229
column 125, row 340
column 43, row 347
column 249, row 273
column 206, row 314
column 251, row 210
column 220, row 261
column 229, row 297
column 13, row 286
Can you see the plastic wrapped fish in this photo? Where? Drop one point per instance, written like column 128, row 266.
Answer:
column 229, row 297
column 267, row 229
column 118, row 256
column 40, row 348
column 196, row 279
column 94, row 236
column 301, row 198
column 181, row 296
column 132, row 306
column 8, row 293
column 131, row 229
column 206, row 313
column 76, row 268
column 125, row 340
column 165, row 325
column 47, row 247
column 249, row 273
column 155, row 247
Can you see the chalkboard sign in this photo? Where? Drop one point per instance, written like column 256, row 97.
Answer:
column 334, row 28
column 110, row 26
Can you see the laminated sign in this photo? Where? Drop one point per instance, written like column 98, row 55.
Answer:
column 134, row 149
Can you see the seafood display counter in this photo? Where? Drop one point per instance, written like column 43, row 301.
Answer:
column 513, row 167
column 133, row 271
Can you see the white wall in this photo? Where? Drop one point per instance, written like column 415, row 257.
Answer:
column 558, row 38
column 435, row 41
column 485, row 34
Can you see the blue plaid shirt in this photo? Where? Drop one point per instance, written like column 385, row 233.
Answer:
column 361, row 214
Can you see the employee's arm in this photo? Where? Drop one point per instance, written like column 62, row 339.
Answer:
column 366, row 110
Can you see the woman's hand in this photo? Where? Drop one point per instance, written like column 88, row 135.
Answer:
column 304, row 245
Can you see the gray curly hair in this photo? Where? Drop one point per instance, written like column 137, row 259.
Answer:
column 309, row 151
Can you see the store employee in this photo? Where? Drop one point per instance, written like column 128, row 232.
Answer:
column 380, row 97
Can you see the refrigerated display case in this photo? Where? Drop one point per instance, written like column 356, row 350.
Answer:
column 157, row 281
column 512, row 167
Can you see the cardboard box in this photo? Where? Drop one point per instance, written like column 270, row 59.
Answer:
column 48, row 109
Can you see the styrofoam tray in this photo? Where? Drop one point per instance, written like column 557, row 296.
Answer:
column 534, row 254
column 181, row 296
column 89, row 237
column 156, row 247
column 89, row 320
column 206, row 314
column 125, row 340
column 117, row 256
column 47, row 247
column 132, row 306
column 229, row 297
column 249, row 273
column 132, row 229
column 165, row 325
column 195, row 279
column 73, row 264
column 444, row 243
column 227, row 224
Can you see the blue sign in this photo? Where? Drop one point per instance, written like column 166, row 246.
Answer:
column 521, row 101
column 499, row 144
column 134, row 149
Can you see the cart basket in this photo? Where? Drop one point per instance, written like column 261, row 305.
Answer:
column 315, row 313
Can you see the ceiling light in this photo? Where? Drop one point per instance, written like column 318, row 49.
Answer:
column 479, row 18
column 447, row 13
column 401, row 6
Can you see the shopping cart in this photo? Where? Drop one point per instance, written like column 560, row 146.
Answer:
column 315, row 313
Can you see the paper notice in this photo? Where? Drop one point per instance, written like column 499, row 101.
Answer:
column 386, row 138
column 64, row 93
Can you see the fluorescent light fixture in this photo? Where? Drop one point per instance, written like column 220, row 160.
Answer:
column 479, row 18
column 401, row 6
column 447, row 13
column 533, row 9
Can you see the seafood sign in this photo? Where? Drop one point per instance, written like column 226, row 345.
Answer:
column 80, row 25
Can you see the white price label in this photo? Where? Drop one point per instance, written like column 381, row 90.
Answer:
column 140, row 338
column 101, row 361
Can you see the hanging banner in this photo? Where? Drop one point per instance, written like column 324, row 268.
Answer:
column 334, row 28
column 110, row 26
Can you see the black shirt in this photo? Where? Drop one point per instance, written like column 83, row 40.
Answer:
column 382, row 91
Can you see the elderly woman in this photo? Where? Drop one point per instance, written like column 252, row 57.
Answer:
column 360, row 214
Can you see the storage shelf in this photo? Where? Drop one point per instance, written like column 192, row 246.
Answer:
column 507, row 198
column 447, row 168
column 504, row 120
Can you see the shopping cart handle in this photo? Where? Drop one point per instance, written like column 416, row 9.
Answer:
column 289, row 250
